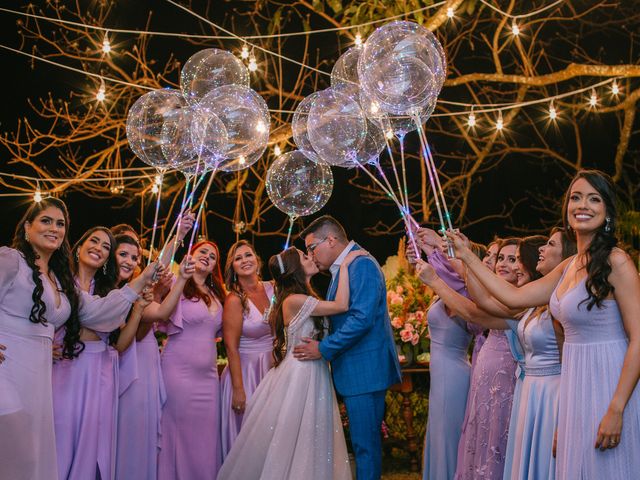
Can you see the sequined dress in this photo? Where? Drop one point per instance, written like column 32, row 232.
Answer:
column 291, row 428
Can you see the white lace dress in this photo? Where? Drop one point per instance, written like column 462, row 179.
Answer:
column 292, row 428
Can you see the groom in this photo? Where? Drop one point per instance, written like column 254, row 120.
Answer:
column 360, row 345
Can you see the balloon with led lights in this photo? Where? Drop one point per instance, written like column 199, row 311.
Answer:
column 241, row 162
column 402, row 67
column 299, row 127
column 245, row 116
column 208, row 135
column 145, row 122
column 297, row 185
column 399, row 125
column 336, row 127
column 345, row 70
column 177, row 146
column 209, row 69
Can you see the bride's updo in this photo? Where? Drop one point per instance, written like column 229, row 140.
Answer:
column 289, row 278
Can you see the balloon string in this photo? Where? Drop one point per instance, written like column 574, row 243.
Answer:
column 202, row 202
column 155, row 218
column 404, row 173
column 292, row 218
column 187, row 183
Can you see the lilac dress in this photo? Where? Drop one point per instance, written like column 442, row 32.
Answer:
column 142, row 395
column 26, row 405
column 190, row 441
column 256, row 358
column 482, row 447
column 594, row 348
column 533, row 417
column 292, row 428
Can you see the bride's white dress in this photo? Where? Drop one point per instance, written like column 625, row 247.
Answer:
column 291, row 428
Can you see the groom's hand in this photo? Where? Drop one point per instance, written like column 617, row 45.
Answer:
column 307, row 350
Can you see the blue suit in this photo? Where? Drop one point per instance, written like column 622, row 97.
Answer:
column 364, row 361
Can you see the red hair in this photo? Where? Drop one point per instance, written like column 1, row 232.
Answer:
column 213, row 281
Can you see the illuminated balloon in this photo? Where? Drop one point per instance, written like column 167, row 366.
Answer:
column 208, row 69
column 297, row 185
column 345, row 70
column 299, row 127
column 145, row 121
column 208, row 135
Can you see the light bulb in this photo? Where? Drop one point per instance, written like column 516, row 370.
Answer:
column 277, row 151
column 158, row 180
column 241, row 160
column 253, row 66
column 593, row 100
column 260, row 128
column 515, row 29
column 155, row 189
column 37, row 196
column 472, row 120
column 106, row 45
column 615, row 89
column 500, row 123
column 389, row 134
column 358, row 40
column 244, row 54
column 553, row 114
column 101, row 94
column 450, row 12
column 374, row 108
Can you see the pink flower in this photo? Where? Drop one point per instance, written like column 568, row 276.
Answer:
column 397, row 300
column 406, row 335
column 409, row 327
column 415, row 339
column 420, row 316
column 396, row 322
column 399, row 289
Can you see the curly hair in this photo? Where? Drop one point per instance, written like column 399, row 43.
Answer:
column 604, row 238
column 213, row 280
column 105, row 279
column 293, row 280
column 59, row 264
column 230, row 276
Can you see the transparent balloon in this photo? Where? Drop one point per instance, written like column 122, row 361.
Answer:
column 336, row 127
column 299, row 127
column 177, row 146
column 242, row 161
column 193, row 167
column 245, row 116
column 208, row 135
column 297, row 185
column 208, row 69
column 345, row 70
column 402, row 67
column 145, row 122
column 399, row 125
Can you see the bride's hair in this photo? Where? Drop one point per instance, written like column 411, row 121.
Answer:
column 289, row 277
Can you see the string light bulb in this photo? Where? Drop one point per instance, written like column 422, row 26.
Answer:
column 253, row 65
column 155, row 189
column 101, row 94
column 244, row 53
column 471, row 122
column 593, row 99
column 450, row 12
column 37, row 196
column 106, row 45
column 358, row 40
column 615, row 88
column 389, row 134
column 158, row 180
column 242, row 160
column 500, row 123
column 277, row 151
column 515, row 29
column 260, row 128
column 553, row 114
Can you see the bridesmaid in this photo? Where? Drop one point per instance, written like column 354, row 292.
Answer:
column 141, row 389
column 450, row 370
column 595, row 295
column 37, row 295
column 247, row 336
column 85, row 395
column 190, row 441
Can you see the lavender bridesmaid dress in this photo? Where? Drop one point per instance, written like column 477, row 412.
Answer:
column 256, row 347
column 292, row 428
column 533, row 416
column 142, row 395
column 190, row 445
column 481, row 451
column 26, row 405
column 594, row 348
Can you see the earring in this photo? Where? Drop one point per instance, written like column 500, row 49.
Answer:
column 104, row 268
column 77, row 256
column 607, row 225
column 235, row 277
column 26, row 236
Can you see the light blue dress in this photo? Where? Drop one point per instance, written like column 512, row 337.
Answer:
column 450, row 373
column 534, row 412
column 592, row 356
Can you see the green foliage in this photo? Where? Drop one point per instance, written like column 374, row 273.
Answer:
column 394, row 419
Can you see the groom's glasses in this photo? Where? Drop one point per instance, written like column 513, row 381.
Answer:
column 312, row 246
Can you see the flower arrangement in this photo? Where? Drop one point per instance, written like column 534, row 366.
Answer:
column 408, row 300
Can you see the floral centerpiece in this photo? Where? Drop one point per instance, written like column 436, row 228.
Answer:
column 408, row 300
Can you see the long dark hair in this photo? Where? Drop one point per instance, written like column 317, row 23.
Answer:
column 213, row 280
column 604, row 239
column 529, row 254
column 569, row 248
column 230, row 277
column 129, row 240
column 59, row 265
column 293, row 280
column 105, row 279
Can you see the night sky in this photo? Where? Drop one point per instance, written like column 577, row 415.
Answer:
column 518, row 180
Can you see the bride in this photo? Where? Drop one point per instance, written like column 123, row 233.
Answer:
column 292, row 428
